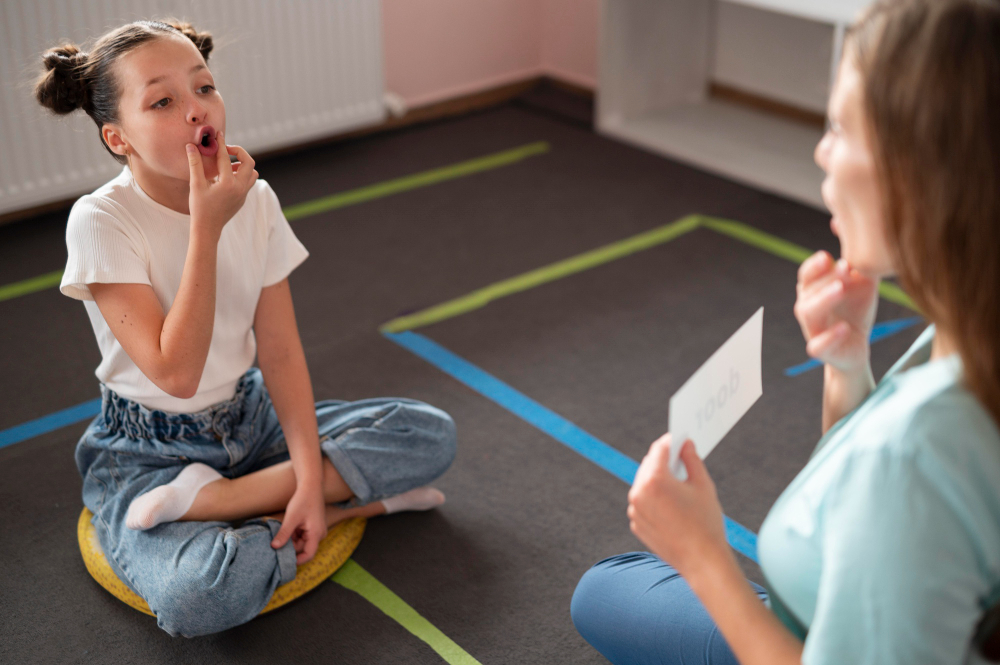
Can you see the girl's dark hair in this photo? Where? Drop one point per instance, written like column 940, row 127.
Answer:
column 74, row 79
column 931, row 73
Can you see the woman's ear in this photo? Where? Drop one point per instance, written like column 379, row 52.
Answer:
column 112, row 135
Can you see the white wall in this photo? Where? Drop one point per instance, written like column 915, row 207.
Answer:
column 775, row 55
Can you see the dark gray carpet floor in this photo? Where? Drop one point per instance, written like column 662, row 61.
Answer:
column 495, row 568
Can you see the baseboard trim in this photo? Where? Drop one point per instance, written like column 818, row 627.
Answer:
column 752, row 100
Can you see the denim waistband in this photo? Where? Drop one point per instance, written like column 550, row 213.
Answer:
column 135, row 420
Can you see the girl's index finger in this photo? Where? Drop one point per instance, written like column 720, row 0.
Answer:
column 196, row 173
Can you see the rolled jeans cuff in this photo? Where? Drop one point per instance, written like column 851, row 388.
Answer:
column 285, row 554
column 349, row 471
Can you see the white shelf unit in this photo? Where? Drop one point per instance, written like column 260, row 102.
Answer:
column 655, row 70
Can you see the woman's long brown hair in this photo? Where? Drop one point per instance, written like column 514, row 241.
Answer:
column 931, row 71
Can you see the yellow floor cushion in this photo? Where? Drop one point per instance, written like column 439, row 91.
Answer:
column 333, row 551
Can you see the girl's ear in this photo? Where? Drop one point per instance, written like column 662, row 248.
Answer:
column 112, row 135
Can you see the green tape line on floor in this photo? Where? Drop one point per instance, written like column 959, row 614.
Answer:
column 24, row 287
column 792, row 252
column 757, row 238
column 352, row 576
column 340, row 200
column 549, row 273
column 414, row 181
column 736, row 230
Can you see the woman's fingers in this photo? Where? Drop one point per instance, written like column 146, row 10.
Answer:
column 655, row 460
column 813, row 310
column 824, row 345
column 660, row 450
column 697, row 473
column 818, row 276
column 827, row 297
column 814, row 266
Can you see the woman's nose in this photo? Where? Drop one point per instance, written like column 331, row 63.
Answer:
column 822, row 150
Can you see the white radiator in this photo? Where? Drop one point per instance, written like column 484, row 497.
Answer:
column 289, row 71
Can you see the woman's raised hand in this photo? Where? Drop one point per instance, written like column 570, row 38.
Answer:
column 835, row 306
column 213, row 203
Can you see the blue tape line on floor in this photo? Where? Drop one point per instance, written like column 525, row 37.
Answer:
column 741, row 539
column 879, row 332
column 53, row 421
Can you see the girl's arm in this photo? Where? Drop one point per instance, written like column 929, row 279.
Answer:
column 171, row 349
column 283, row 365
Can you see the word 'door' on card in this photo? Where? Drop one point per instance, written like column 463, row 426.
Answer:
column 716, row 396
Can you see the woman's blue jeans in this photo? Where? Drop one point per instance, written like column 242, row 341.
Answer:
column 204, row 577
column 637, row 610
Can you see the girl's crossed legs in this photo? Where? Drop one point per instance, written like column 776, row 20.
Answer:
column 393, row 442
column 201, row 577
column 208, row 496
column 267, row 492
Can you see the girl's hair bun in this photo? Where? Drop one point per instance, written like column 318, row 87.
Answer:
column 63, row 87
column 202, row 40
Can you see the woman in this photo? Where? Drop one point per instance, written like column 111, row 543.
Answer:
column 886, row 547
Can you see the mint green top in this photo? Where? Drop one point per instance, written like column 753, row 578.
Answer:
column 887, row 545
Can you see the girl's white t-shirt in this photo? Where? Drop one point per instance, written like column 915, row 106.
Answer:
column 118, row 234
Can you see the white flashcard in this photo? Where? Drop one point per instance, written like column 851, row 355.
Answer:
column 716, row 396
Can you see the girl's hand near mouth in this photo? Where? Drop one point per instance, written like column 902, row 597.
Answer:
column 212, row 203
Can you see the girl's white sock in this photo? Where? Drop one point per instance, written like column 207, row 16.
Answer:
column 422, row 498
column 168, row 503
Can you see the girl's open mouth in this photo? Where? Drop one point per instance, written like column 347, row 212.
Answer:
column 207, row 145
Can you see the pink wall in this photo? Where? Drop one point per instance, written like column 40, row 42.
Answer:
column 569, row 40
column 439, row 49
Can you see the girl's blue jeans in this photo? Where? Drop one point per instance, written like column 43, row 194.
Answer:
column 637, row 610
column 204, row 577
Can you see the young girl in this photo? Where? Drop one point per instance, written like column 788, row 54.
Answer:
column 182, row 263
column 886, row 547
